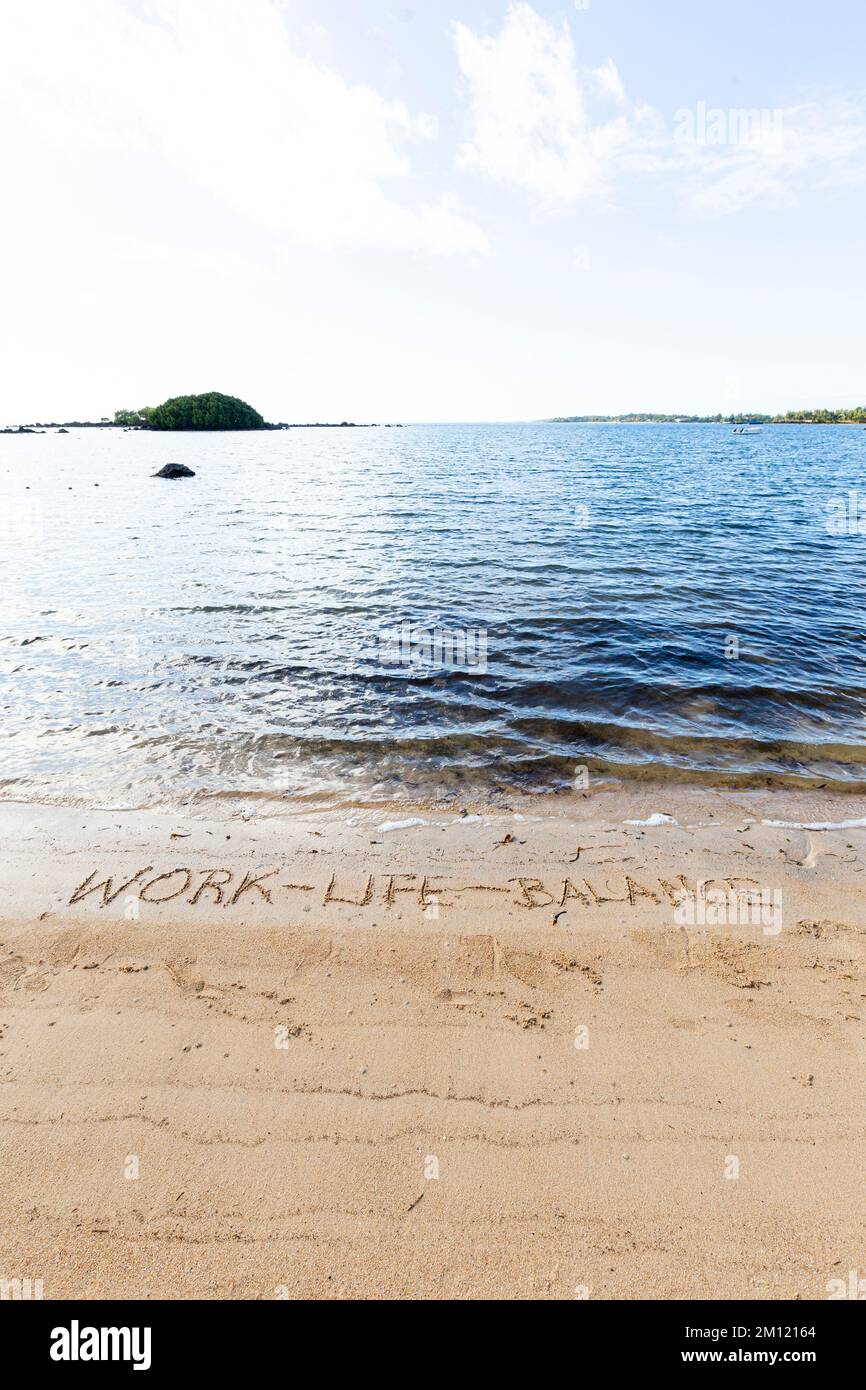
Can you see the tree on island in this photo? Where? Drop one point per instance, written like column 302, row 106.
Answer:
column 133, row 419
column 211, row 411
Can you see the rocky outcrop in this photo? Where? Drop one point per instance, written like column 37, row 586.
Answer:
column 174, row 470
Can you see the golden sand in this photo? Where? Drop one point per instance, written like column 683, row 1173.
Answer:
column 339, row 1055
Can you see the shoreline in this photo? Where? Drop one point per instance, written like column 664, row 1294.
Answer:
column 39, row 427
column 608, row 800
column 355, row 1067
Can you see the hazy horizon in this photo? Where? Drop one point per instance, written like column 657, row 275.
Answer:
column 336, row 420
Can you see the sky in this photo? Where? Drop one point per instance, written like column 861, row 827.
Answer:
column 468, row 210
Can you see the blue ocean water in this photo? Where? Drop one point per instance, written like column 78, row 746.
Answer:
column 432, row 611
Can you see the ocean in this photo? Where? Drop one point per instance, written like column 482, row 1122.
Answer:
column 434, row 612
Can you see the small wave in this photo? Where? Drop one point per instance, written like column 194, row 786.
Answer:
column 400, row 824
column 657, row 818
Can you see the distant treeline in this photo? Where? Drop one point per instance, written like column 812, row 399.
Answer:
column 857, row 416
column 40, row 426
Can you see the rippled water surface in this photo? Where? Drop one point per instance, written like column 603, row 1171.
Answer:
column 222, row 635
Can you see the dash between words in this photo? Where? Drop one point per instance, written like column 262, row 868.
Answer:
column 222, row 887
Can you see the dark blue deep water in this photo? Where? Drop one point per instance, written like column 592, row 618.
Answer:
column 646, row 601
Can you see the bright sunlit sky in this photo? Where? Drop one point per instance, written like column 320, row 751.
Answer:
column 377, row 210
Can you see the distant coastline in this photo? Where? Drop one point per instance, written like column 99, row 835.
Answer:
column 856, row 416
column 205, row 412
column 41, row 427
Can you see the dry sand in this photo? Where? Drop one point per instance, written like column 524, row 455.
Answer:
column 505, row 1070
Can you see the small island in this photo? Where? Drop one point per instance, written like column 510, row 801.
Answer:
column 210, row 411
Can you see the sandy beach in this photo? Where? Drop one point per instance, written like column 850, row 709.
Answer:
column 370, row 1054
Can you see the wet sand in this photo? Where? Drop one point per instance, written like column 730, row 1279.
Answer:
column 337, row 1055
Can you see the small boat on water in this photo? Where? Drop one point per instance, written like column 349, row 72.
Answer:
column 747, row 429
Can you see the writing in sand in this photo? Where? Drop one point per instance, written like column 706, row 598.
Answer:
column 227, row 888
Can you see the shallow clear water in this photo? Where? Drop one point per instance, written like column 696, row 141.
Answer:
column 222, row 635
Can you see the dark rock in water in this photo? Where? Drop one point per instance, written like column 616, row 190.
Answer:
column 175, row 470
column 63, row 431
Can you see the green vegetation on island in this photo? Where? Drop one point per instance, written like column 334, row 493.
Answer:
column 133, row 419
column 211, row 411
column 856, row 416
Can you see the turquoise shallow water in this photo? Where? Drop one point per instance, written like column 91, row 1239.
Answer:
column 642, row 601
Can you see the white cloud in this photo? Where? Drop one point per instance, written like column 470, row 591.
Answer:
column 543, row 124
column 534, row 124
column 822, row 144
column 608, row 80
column 213, row 263
column 216, row 90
